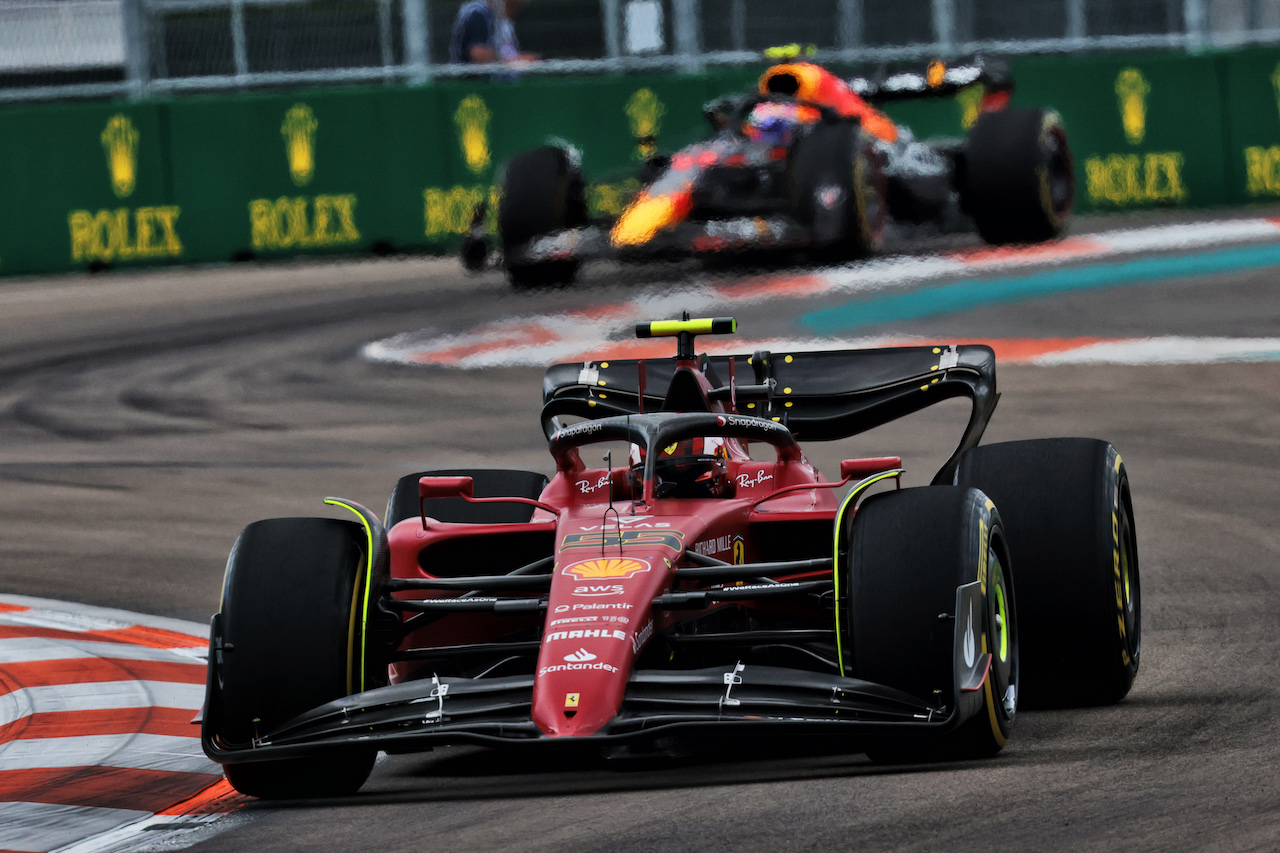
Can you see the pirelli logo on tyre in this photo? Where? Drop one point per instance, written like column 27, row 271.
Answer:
column 607, row 567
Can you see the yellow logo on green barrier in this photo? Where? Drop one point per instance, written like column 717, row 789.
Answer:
column 472, row 119
column 645, row 112
column 1131, row 93
column 124, row 233
column 299, row 132
column 120, row 141
column 970, row 100
column 1275, row 83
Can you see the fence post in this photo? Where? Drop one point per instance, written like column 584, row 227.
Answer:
column 1076, row 21
column 687, row 29
column 944, row 25
column 610, row 12
column 849, row 29
column 1195, row 21
column 137, row 56
column 239, row 53
column 416, row 44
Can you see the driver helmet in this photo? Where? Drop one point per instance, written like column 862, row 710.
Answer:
column 772, row 123
column 693, row 468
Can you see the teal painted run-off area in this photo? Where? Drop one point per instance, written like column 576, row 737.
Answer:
column 968, row 295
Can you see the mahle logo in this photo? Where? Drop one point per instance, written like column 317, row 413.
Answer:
column 645, row 112
column 472, row 118
column 1131, row 94
column 299, row 132
column 120, row 141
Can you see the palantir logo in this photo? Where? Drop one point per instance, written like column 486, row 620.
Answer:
column 580, row 656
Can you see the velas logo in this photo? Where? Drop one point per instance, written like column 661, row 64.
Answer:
column 607, row 567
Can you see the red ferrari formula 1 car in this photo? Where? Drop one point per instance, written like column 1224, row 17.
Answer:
column 805, row 162
column 704, row 579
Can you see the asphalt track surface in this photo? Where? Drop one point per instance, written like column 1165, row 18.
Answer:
column 146, row 417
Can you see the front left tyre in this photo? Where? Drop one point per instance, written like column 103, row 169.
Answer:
column 290, row 637
column 908, row 553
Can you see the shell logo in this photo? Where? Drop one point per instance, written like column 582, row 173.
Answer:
column 611, row 567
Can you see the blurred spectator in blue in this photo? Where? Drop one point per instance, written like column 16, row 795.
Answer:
column 483, row 33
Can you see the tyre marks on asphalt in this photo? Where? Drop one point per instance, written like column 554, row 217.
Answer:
column 600, row 330
column 97, row 748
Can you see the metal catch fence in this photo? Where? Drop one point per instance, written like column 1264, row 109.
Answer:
column 52, row 49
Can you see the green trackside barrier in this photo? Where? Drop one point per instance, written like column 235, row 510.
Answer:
column 324, row 171
column 213, row 178
column 602, row 118
column 1251, row 93
column 1146, row 130
column 85, row 185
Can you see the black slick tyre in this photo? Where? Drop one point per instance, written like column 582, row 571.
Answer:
column 908, row 553
column 486, row 483
column 290, row 640
column 542, row 193
column 838, row 190
column 1069, row 517
column 1016, row 176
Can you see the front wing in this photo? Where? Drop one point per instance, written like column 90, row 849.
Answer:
column 423, row 713
column 737, row 234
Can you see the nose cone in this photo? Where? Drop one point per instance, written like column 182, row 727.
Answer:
column 648, row 215
column 582, row 675
column 598, row 618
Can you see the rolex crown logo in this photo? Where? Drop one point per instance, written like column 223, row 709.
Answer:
column 1131, row 93
column 472, row 119
column 120, row 141
column 1275, row 83
column 970, row 100
column 299, row 132
column 645, row 113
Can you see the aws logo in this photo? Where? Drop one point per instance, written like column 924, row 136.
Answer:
column 1132, row 90
column 120, row 142
column 472, row 119
column 645, row 112
column 607, row 568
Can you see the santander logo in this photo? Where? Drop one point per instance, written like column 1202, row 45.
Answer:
column 580, row 656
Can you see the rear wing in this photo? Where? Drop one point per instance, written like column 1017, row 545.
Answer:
column 936, row 81
column 819, row 396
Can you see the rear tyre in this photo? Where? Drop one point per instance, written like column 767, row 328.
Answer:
column 1069, row 517
column 908, row 553
column 1017, row 180
column 291, row 629
column 542, row 193
column 487, row 483
column 837, row 190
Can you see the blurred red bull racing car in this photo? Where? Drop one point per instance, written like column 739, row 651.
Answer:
column 712, row 583
column 806, row 162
